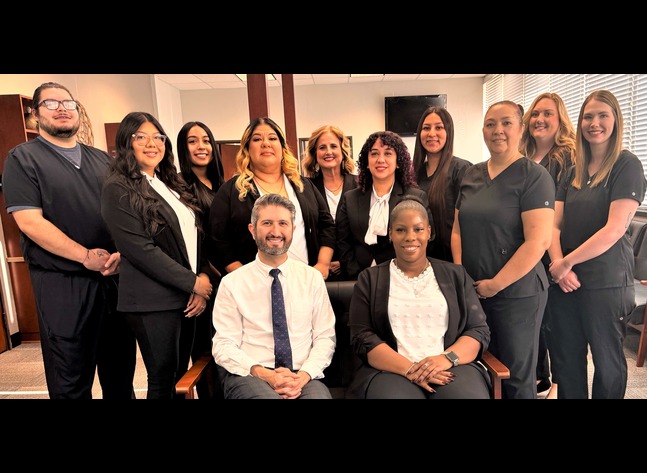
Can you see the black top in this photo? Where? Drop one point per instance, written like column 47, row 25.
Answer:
column 554, row 169
column 490, row 220
column 457, row 167
column 586, row 211
column 36, row 176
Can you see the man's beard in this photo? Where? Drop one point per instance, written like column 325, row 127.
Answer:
column 264, row 247
column 59, row 132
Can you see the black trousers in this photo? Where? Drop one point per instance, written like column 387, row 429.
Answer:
column 158, row 336
column 77, row 321
column 594, row 320
column 514, row 326
column 117, row 353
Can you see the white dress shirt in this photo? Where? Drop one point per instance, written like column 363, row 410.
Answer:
column 242, row 317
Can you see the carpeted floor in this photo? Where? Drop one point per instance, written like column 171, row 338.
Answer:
column 22, row 376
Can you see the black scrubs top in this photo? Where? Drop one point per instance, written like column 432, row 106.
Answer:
column 490, row 220
column 455, row 173
column 586, row 211
column 37, row 176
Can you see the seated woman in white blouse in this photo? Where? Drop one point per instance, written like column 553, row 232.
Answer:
column 416, row 322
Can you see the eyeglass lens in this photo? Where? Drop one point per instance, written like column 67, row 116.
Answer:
column 52, row 104
column 142, row 139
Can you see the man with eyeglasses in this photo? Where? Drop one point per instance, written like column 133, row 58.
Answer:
column 52, row 186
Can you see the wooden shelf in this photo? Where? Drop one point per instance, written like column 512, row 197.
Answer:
column 14, row 109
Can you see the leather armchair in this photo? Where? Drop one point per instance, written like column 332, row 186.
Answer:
column 338, row 375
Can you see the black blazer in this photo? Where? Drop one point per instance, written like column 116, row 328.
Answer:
column 352, row 222
column 229, row 217
column 155, row 273
column 350, row 182
column 368, row 316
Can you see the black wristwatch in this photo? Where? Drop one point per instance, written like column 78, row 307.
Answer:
column 451, row 356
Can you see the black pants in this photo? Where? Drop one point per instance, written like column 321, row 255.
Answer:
column 158, row 336
column 594, row 320
column 117, row 353
column 74, row 310
column 514, row 326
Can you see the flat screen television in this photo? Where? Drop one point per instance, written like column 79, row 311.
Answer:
column 403, row 113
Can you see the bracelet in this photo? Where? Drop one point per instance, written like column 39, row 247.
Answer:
column 412, row 365
column 87, row 255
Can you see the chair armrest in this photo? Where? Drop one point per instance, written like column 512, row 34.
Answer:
column 497, row 371
column 186, row 385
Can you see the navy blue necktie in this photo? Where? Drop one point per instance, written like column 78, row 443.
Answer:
column 282, row 349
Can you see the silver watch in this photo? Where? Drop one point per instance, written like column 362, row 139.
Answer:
column 451, row 356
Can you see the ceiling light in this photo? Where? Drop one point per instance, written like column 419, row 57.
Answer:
column 243, row 77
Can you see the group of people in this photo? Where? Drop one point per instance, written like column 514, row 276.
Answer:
column 525, row 254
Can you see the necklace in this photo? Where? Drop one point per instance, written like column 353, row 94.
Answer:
column 281, row 191
column 334, row 191
column 417, row 283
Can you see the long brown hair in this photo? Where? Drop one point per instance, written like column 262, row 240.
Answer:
column 583, row 147
column 438, row 185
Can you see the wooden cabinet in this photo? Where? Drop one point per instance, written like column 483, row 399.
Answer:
column 14, row 114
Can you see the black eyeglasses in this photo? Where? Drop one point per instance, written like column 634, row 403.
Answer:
column 51, row 104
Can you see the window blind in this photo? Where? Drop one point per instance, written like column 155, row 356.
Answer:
column 630, row 90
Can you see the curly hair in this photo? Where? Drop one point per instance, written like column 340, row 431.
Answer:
column 125, row 169
column 564, row 148
column 310, row 166
column 404, row 173
column 244, row 171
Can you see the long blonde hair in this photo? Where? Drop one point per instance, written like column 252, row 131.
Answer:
column 583, row 147
column 310, row 166
column 289, row 163
column 564, row 146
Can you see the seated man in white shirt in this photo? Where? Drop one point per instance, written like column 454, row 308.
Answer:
column 243, row 345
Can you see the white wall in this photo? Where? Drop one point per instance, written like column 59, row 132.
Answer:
column 107, row 98
column 169, row 111
column 357, row 109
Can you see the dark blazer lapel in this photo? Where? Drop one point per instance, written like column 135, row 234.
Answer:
column 363, row 207
column 396, row 195
column 382, row 285
column 349, row 182
column 319, row 184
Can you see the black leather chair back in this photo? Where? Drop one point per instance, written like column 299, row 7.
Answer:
column 338, row 374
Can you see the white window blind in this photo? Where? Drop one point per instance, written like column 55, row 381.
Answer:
column 630, row 90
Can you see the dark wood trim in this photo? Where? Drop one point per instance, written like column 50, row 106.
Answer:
column 257, row 96
column 289, row 111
